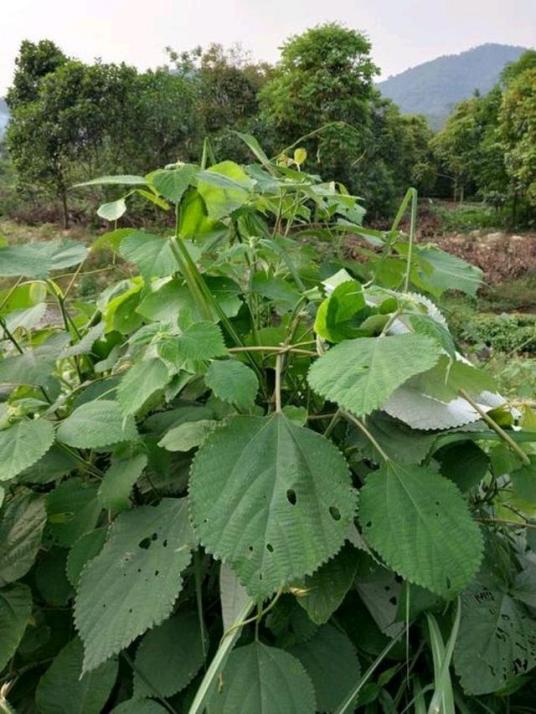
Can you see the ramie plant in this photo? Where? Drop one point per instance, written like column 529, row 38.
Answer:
column 256, row 476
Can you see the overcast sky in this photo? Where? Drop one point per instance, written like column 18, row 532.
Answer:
column 403, row 32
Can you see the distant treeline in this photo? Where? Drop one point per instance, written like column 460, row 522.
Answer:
column 71, row 121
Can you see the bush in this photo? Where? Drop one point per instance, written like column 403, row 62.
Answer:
column 183, row 462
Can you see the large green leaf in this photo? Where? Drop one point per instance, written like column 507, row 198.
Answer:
column 329, row 658
column 31, row 367
column 335, row 319
column 437, row 271
column 420, row 524
column 169, row 656
column 72, row 509
column 96, row 424
column 22, row 520
column 134, row 581
column 15, row 611
column 62, row 689
column 37, row 260
column 201, row 341
column 360, row 375
column 263, row 680
column 233, row 382
column 22, row 445
column 116, row 486
column 140, row 383
column 172, row 183
column 152, row 254
column 272, row 498
column 224, row 187
column 496, row 641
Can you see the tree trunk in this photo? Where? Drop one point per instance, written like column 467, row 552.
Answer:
column 65, row 208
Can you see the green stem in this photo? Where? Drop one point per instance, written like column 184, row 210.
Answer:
column 199, row 602
column 277, row 391
column 357, row 422
column 412, row 231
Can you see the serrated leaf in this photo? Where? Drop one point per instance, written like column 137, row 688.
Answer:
column 360, row 375
column 271, row 498
column 334, row 318
column 86, row 547
column 56, row 463
column 96, row 424
column 428, row 326
column 139, row 706
column 32, row 367
column 437, row 271
column 233, row 596
column 464, row 462
column 419, row 411
column 62, row 689
column 116, row 486
column 224, row 187
column 524, row 481
column 15, row 611
column 133, row 582
column 187, row 436
column 22, row 521
column 112, row 211
column 140, row 383
column 172, row 183
column 263, row 680
column 22, row 445
column 72, row 510
column 420, row 524
column 321, row 593
column 169, row 656
column 152, row 254
column 330, row 660
column 496, row 641
column 37, row 260
column 201, row 341
column 232, row 382
column 400, row 443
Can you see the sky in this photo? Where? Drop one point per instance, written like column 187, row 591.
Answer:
column 403, row 32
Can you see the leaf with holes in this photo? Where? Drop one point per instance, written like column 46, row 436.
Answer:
column 22, row 445
column 133, row 582
column 169, row 656
column 96, row 424
column 15, row 611
column 420, row 524
column 360, row 375
column 496, row 641
column 232, row 382
column 263, row 680
column 63, row 689
column 272, row 498
column 140, row 383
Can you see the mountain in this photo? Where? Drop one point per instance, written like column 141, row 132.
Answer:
column 4, row 116
column 434, row 88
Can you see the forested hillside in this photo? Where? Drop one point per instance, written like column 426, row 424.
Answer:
column 434, row 88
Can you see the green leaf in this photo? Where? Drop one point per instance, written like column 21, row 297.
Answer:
column 524, row 482
column 72, row 509
column 56, row 463
column 428, row 326
column 152, row 254
column 37, row 260
column 119, row 180
column 22, row 521
column 224, row 187
column 86, row 547
column 132, row 584
column 272, row 499
column 172, row 183
column 187, row 436
column 116, row 486
column 329, row 658
column 22, row 445
column 360, row 375
column 112, row 211
column 140, row 383
column 62, row 689
column 201, row 341
column 464, row 462
column 32, row 367
column 96, row 424
column 496, row 641
column 15, row 611
column 140, row 706
column 334, row 318
column 169, row 656
column 437, row 271
column 321, row 593
column 233, row 596
column 420, row 524
column 51, row 578
column 263, row 680
column 400, row 443
column 232, row 382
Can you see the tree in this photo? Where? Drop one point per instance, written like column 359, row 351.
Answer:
column 34, row 62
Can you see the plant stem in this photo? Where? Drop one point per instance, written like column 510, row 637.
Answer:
column 199, row 602
column 277, row 391
column 496, row 428
column 367, row 433
column 273, row 348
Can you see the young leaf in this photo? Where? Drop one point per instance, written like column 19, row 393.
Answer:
column 263, row 680
column 420, row 524
column 96, row 424
column 22, row 521
column 72, row 510
column 15, row 611
column 271, row 498
column 152, row 254
column 140, row 383
column 360, row 375
column 329, row 658
column 133, row 582
column 112, row 211
column 22, row 445
column 116, row 486
column 169, row 656
column 63, row 689
column 232, row 382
